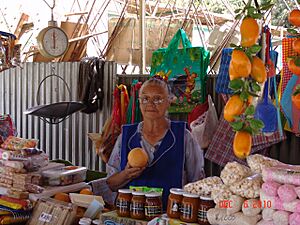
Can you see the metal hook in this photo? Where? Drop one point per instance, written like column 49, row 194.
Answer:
column 51, row 7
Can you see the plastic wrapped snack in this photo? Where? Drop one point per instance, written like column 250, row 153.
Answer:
column 234, row 172
column 284, row 174
column 281, row 218
column 251, row 207
column 294, row 219
column 220, row 194
column 64, row 176
column 287, row 192
column 16, row 143
column 265, row 222
column 204, row 187
column 236, row 203
column 248, row 187
column 270, row 188
column 267, row 214
column 257, row 162
column 297, row 190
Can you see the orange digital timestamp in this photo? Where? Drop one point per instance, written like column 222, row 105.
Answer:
column 253, row 204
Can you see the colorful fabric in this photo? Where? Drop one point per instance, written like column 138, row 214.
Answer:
column 223, row 76
column 220, row 150
column 7, row 128
column 17, row 143
column 287, row 50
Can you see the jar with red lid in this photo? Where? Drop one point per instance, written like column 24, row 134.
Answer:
column 153, row 205
column 189, row 208
column 205, row 203
column 137, row 207
column 123, row 202
column 174, row 203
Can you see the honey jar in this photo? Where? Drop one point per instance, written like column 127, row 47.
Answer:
column 205, row 203
column 137, row 207
column 174, row 203
column 123, row 202
column 189, row 208
column 153, row 205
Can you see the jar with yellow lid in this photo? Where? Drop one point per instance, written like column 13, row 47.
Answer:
column 123, row 202
column 174, row 203
column 137, row 208
column 189, row 208
column 153, row 205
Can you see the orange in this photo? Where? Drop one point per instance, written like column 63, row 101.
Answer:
column 137, row 157
column 86, row 191
column 258, row 70
column 296, row 45
column 242, row 143
column 293, row 68
column 232, row 73
column 249, row 32
column 294, row 17
column 233, row 107
column 241, row 64
column 296, row 100
column 60, row 196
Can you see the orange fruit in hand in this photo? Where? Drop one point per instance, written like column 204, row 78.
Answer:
column 233, row 107
column 258, row 70
column 294, row 17
column 86, row 191
column 242, row 143
column 249, row 32
column 293, row 68
column 64, row 197
column 137, row 157
column 296, row 100
column 296, row 45
column 241, row 64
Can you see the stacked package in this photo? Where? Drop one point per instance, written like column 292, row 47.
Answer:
column 281, row 190
column 19, row 161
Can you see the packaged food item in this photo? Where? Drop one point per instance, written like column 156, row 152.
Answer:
column 189, row 211
column 234, row 172
column 174, row 203
column 248, row 187
column 265, row 222
column 257, row 162
column 267, row 214
column 205, row 203
column 64, row 176
column 204, row 187
column 251, row 207
column 16, row 143
column 294, row 219
column 123, row 202
column 284, row 174
column 236, row 203
column 270, row 187
column 287, row 192
column 153, row 205
column 137, row 210
column 221, row 194
column 281, row 218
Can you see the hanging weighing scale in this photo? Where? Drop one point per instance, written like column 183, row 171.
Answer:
column 52, row 41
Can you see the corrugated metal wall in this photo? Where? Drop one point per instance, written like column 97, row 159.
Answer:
column 67, row 140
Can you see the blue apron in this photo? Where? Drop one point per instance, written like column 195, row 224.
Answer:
column 166, row 169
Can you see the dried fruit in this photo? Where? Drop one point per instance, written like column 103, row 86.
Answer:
column 249, row 32
column 234, row 107
column 241, row 64
column 293, row 67
column 258, row 70
column 294, row 17
column 242, row 144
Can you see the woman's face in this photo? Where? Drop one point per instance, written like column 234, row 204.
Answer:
column 154, row 101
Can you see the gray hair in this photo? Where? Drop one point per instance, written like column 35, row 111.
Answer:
column 158, row 82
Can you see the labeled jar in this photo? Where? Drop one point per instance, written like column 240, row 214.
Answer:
column 189, row 208
column 153, row 205
column 174, row 203
column 205, row 203
column 137, row 207
column 123, row 202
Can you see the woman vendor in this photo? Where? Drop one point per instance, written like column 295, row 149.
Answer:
column 175, row 158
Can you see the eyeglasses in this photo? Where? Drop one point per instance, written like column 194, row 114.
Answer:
column 156, row 100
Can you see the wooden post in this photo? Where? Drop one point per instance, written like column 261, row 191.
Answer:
column 142, row 37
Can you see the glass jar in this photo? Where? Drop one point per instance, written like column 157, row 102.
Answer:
column 137, row 207
column 153, row 205
column 174, row 203
column 189, row 208
column 205, row 203
column 123, row 202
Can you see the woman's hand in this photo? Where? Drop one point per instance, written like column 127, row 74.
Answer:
column 133, row 172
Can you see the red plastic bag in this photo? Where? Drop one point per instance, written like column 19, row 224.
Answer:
column 7, row 128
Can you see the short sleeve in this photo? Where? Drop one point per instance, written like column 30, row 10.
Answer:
column 113, row 165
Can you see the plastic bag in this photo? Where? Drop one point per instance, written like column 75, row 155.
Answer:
column 204, row 127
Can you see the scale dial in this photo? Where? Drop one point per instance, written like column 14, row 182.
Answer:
column 52, row 42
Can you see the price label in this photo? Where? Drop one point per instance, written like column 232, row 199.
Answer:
column 45, row 217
